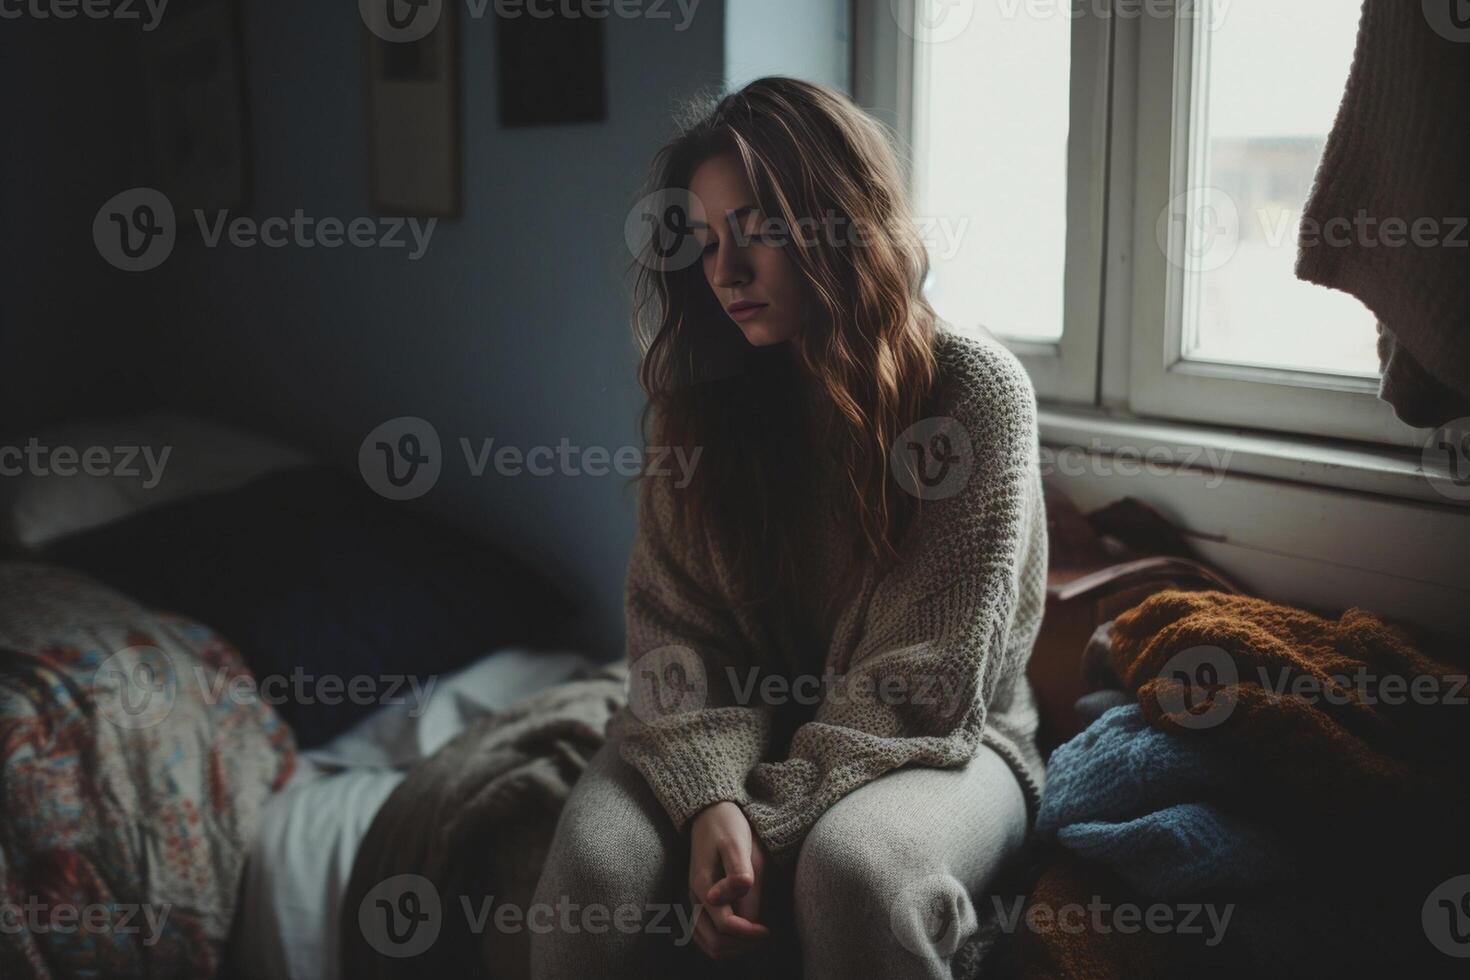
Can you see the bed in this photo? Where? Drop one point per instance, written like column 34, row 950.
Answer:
column 309, row 639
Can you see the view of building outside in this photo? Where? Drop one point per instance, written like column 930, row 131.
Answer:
column 1274, row 75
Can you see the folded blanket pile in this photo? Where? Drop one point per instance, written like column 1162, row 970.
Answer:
column 465, row 836
column 1299, row 780
column 1139, row 800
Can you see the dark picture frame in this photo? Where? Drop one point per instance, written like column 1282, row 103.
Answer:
column 193, row 68
column 552, row 69
column 414, row 128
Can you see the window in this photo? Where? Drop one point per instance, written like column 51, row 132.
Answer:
column 1183, row 139
column 1005, row 110
column 991, row 181
column 1268, row 80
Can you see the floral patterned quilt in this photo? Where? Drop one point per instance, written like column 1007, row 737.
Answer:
column 134, row 763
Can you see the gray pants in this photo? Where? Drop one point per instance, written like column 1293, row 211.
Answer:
column 883, row 883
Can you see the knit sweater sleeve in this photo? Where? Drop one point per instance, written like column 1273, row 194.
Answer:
column 683, row 730
column 947, row 633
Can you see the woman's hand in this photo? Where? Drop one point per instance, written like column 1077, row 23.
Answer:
column 726, row 871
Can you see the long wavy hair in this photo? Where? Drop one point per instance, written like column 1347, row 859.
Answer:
column 773, row 427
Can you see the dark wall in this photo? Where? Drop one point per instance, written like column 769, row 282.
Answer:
column 514, row 324
column 77, row 337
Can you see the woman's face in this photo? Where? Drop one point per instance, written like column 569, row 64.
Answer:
column 744, row 260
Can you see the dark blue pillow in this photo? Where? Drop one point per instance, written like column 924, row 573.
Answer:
column 310, row 575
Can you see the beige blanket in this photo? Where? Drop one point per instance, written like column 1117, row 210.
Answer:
column 460, row 843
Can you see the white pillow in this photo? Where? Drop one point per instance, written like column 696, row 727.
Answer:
column 74, row 477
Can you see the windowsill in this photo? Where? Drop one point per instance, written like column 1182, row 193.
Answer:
column 1163, row 444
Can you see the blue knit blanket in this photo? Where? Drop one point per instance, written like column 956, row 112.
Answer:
column 1148, row 805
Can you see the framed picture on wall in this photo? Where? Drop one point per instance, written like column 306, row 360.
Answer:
column 552, row 69
column 413, row 109
column 194, row 77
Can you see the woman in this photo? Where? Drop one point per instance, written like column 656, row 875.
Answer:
column 830, row 735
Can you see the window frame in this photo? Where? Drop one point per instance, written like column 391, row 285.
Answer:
column 1065, row 370
column 1133, row 89
column 1162, row 382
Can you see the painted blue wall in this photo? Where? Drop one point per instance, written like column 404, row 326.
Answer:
column 513, row 326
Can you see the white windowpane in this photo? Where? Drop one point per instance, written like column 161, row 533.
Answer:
column 1271, row 75
column 990, row 133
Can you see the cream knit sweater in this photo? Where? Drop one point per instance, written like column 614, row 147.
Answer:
column 929, row 659
column 1396, row 156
